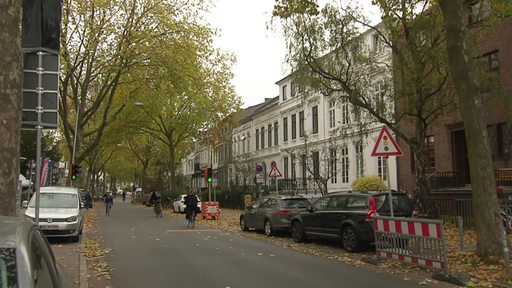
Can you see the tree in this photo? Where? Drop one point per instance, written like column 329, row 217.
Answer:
column 11, row 76
column 489, row 228
column 328, row 53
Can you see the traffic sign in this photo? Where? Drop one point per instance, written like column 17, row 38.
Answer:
column 274, row 172
column 386, row 145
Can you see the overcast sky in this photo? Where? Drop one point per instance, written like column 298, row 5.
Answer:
column 259, row 51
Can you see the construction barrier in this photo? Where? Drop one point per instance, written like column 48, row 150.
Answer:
column 417, row 241
column 210, row 209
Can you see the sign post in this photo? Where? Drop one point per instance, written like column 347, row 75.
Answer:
column 384, row 147
column 274, row 173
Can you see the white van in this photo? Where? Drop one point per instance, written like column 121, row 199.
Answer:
column 60, row 213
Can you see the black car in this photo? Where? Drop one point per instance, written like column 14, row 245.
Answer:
column 348, row 217
column 86, row 199
column 272, row 213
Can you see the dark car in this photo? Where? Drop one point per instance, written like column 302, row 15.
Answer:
column 272, row 213
column 348, row 217
column 86, row 199
column 26, row 257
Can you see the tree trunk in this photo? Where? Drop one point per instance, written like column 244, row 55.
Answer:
column 11, row 79
column 489, row 229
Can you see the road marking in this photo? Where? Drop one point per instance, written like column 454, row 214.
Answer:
column 193, row 230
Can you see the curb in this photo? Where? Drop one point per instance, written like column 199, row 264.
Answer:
column 83, row 263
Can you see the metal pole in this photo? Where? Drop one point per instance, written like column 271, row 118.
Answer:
column 39, row 112
column 390, row 196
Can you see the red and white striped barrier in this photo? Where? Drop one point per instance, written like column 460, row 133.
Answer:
column 412, row 240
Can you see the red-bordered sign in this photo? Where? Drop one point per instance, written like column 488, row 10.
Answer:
column 386, row 144
column 274, row 172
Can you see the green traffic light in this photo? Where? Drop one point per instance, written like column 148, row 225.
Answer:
column 73, row 177
column 210, row 180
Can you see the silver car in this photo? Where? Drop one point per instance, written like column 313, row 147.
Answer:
column 60, row 213
column 26, row 258
column 272, row 213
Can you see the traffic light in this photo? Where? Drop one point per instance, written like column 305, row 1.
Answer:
column 208, row 175
column 75, row 171
column 210, row 178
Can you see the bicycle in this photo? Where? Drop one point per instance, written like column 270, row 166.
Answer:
column 108, row 208
column 191, row 219
column 158, row 209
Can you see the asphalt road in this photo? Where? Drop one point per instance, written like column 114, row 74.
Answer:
column 162, row 252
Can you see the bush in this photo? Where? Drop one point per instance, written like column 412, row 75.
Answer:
column 369, row 183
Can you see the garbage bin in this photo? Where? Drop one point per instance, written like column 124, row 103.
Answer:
column 247, row 200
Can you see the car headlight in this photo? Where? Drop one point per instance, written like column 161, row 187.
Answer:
column 30, row 218
column 72, row 219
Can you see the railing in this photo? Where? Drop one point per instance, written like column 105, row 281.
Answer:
column 503, row 177
column 451, row 179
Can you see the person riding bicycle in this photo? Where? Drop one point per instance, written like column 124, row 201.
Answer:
column 155, row 199
column 191, row 206
column 109, row 200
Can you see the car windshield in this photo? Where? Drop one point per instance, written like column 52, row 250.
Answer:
column 294, row 203
column 8, row 267
column 55, row 200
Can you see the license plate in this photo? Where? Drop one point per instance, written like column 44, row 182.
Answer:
column 49, row 227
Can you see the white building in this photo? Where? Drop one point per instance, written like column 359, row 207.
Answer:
column 314, row 141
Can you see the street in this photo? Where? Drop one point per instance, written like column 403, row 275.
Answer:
column 146, row 251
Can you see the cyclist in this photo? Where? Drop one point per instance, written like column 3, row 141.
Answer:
column 155, row 199
column 191, row 208
column 109, row 201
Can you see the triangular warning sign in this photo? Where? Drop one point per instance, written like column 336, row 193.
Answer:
column 386, row 145
column 274, row 172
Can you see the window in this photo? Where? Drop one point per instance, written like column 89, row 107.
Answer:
column 276, row 133
column 344, row 164
column 285, row 164
column 375, row 42
column 502, row 137
column 262, row 137
column 430, row 157
column 380, row 92
column 301, row 124
column 285, row 129
column 489, row 71
column 293, row 172
column 315, row 119
column 294, row 126
column 491, row 61
column 332, row 114
column 359, row 160
column 345, row 116
column 333, row 165
column 382, row 164
column 285, row 92
column 297, row 89
column 257, row 139
column 269, row 134
column 479, row 10
column 316, row 164
column 303, row 161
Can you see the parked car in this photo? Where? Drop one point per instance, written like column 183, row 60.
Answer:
column 272, row 213
column 60, row 213
column 27, row 258
column 86, row 199
column 348, row 217
column 178, row 205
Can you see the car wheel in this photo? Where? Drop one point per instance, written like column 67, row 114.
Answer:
column 75, row 238
column 349, row 239
column 298, row 234
column 268, row 228
column 243, row 226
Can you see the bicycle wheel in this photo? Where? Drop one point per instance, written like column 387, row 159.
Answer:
column 107, row 209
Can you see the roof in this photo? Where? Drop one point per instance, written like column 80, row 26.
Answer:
column 250, row 112
column 58, row 189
